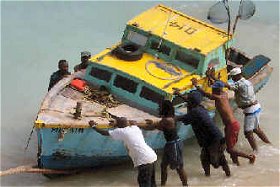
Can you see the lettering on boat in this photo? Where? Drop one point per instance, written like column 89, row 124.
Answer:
column 188, row 29
column 71, row 130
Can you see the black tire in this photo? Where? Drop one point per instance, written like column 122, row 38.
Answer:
column 128, row 52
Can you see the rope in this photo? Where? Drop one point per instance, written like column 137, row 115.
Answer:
column 177, row 80
column 29, row 138
column 35, row 169
column 103, row 97
column 165, row 64
column 165, row 27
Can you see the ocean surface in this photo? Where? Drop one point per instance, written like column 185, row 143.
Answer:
column 35, row 35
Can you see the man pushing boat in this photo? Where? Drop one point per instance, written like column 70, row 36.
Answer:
column 232, row 126
column 245, row 98
column 142, row 155
column 173, row 149
column 208, row 135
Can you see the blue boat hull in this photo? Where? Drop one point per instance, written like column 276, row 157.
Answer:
column 259, row 85
column 85, row 148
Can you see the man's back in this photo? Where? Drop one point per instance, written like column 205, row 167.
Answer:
column 244, row 92
column 168, row 126
column 133, row 139
column 223, row 106
column 203, row 125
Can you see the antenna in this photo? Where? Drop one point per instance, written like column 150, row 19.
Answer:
column 245, row 11
column 220, row 13
column 165, row 27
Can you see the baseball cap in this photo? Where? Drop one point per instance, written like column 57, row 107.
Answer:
column 235, row 71
column 85, row 53
column 218, row 84
column 195, row 97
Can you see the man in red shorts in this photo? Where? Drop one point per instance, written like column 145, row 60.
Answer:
column 232, row 126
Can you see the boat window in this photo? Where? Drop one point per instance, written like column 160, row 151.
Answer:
column 213, row 63
column 237, row 57
column 162, row 48
column 125, row 84
column 187, row 59
column 137, row 38
column 151, row 95
column 101, row 74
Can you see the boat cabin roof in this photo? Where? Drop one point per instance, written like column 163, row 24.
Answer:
column 180, row 29
column 155, row 72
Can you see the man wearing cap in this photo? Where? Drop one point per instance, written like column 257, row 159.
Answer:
column 142, row 155
column 59, row 74
column 245, row 98
column 85, row 56
column 232, row 126
column 208, row 135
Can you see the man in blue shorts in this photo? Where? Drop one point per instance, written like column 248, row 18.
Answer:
column 245, row 98
column 173, row 149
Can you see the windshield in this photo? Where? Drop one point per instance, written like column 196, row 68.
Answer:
column 186, row 58
column 137, row 38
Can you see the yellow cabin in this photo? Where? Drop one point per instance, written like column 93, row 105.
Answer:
column 161, row 49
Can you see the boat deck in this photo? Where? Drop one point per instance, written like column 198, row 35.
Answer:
column 58, row 109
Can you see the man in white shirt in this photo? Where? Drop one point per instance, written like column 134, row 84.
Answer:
column 143, row 156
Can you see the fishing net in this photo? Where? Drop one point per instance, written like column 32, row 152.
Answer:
column 101, row 96
column 246, row 9
column 220, row 12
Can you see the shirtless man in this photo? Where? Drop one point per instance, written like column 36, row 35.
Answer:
column 173, row 149
column 245, row 98
column 232, row 126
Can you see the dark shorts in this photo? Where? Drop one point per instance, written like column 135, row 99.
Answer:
column 146, row 175
column 214, row 154
column 173, row 154
column 231, row 134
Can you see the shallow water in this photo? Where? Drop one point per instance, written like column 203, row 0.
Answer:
column 35, row 35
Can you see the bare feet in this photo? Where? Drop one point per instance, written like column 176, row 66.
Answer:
column 252, row 159
column 227, row 173
column 226, row 169
column 235, row 160
column 255, row 152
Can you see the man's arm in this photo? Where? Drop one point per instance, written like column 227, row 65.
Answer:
column 186, row 119
column 211, row 75
column 208, row 95
column 52, row 82
column 77, row 68
column 177, row 92
column 100, row 131
column 150, row 125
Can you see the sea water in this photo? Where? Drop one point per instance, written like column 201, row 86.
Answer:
column 35, row 35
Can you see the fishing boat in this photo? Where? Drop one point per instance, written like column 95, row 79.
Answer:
column 161, row 50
